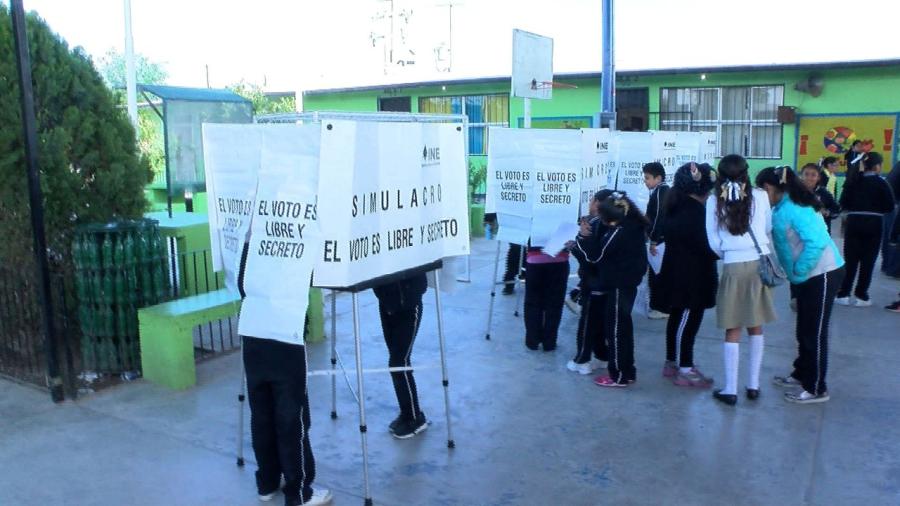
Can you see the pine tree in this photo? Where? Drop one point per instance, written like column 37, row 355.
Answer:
column 91, row 169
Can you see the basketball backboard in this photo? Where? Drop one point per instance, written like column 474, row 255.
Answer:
column 532, row 68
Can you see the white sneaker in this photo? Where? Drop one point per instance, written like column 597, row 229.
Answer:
column 862, row 303
column 585, row 368
column 842, row 301
column 321, row 496
column 804, row 397
column 656, row 315
column 268, row 497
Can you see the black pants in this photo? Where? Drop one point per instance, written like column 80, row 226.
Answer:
column 513, row 257
column 545, row 294
column 400, row 329
column 862, row 241
column 619, row 333
column 654, row 286
column 589, row 338
column 681, row 332
column 279, row 416
column 815, row 298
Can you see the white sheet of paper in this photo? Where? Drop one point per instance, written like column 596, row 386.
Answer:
column 656, row 261
column 564, row 233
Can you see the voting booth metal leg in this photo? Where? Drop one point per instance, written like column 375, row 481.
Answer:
column 444, row 379
column 487, row 334
column 362, row 398
column 518, row 281
column 333, row 354
column 241, row 397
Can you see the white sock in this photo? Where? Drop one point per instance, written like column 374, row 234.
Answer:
column 684, row 370
column 732, row 359
column 756, row 356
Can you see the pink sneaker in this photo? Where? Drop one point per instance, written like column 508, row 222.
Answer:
column 670, row 369
column 606, row 381
column 693, row 378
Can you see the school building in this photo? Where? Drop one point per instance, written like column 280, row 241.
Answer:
column 771, row 114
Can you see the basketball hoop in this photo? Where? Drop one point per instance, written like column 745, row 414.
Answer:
column 543, row 85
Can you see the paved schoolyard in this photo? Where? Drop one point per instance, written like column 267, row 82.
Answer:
column 528, row 432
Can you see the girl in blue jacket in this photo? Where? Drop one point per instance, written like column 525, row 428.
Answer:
column 813, row 264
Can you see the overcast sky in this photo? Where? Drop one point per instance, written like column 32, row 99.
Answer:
column 309, row 44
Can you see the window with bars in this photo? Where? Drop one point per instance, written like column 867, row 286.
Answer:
column 745, row 119
column 483, row 111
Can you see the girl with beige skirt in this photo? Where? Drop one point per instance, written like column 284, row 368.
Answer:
column 742, row 302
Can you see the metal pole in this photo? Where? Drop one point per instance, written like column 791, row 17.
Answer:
column 517, row 281
column 130, row 73
column 608, row 72
column 362, row 399
column 165, row 117
column 444, row 379
column 527, row 122
column 241, row 399
column 35, row 197
column 487, row 334
column 333, row 354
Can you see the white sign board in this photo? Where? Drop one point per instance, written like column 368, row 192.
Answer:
column 392, row 197
column 231, row 154
column 285, row 240
column 598, row 160
column 709, row 148
column 633, row 150
column 534, row 181
column 532, row 68
column 688, row 148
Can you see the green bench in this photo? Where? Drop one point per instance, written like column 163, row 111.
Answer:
column 167, row 333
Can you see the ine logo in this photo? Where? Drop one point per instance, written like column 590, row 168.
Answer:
column 669, row 144
column 602, row 147
column 431, row 156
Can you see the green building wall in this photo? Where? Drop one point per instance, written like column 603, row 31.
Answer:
column 846, row 91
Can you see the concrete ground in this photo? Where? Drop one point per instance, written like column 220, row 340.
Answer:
column 527, row 431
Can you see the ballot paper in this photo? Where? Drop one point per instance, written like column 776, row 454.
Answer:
column 656, row 261
column 564, row 233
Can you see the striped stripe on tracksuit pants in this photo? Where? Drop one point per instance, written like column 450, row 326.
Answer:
column 619, row 333
column 400, row 329
column 815, row 298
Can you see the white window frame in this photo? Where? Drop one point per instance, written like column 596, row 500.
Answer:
column 718, row 123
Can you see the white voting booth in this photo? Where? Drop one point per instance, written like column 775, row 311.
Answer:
column 541, row 181
column 349, row 204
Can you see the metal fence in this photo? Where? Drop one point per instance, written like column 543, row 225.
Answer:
column 22, row 344
column 23, row 347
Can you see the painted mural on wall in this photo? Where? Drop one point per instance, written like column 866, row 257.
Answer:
column 821, row 136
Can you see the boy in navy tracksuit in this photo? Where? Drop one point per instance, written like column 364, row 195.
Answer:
column 400, row 307
column 655, row 180
column 619, row 260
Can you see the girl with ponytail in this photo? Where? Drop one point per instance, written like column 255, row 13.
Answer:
column 738, row 218
column 815, row 269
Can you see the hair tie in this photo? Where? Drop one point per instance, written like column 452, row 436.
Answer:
column 783, row 173
column 732, row 191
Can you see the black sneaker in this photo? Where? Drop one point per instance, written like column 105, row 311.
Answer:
column 893, row 307
column 509, row 288
column 408, row 427
column 396, row 423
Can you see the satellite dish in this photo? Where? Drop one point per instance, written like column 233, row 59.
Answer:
column 814, row 84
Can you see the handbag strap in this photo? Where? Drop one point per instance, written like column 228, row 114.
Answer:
column 753, row 236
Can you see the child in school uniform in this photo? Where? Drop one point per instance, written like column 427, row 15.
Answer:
column 620, row 261
column 589, row 339
column 689, row 276
column 655, row 180
column 545, row 292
